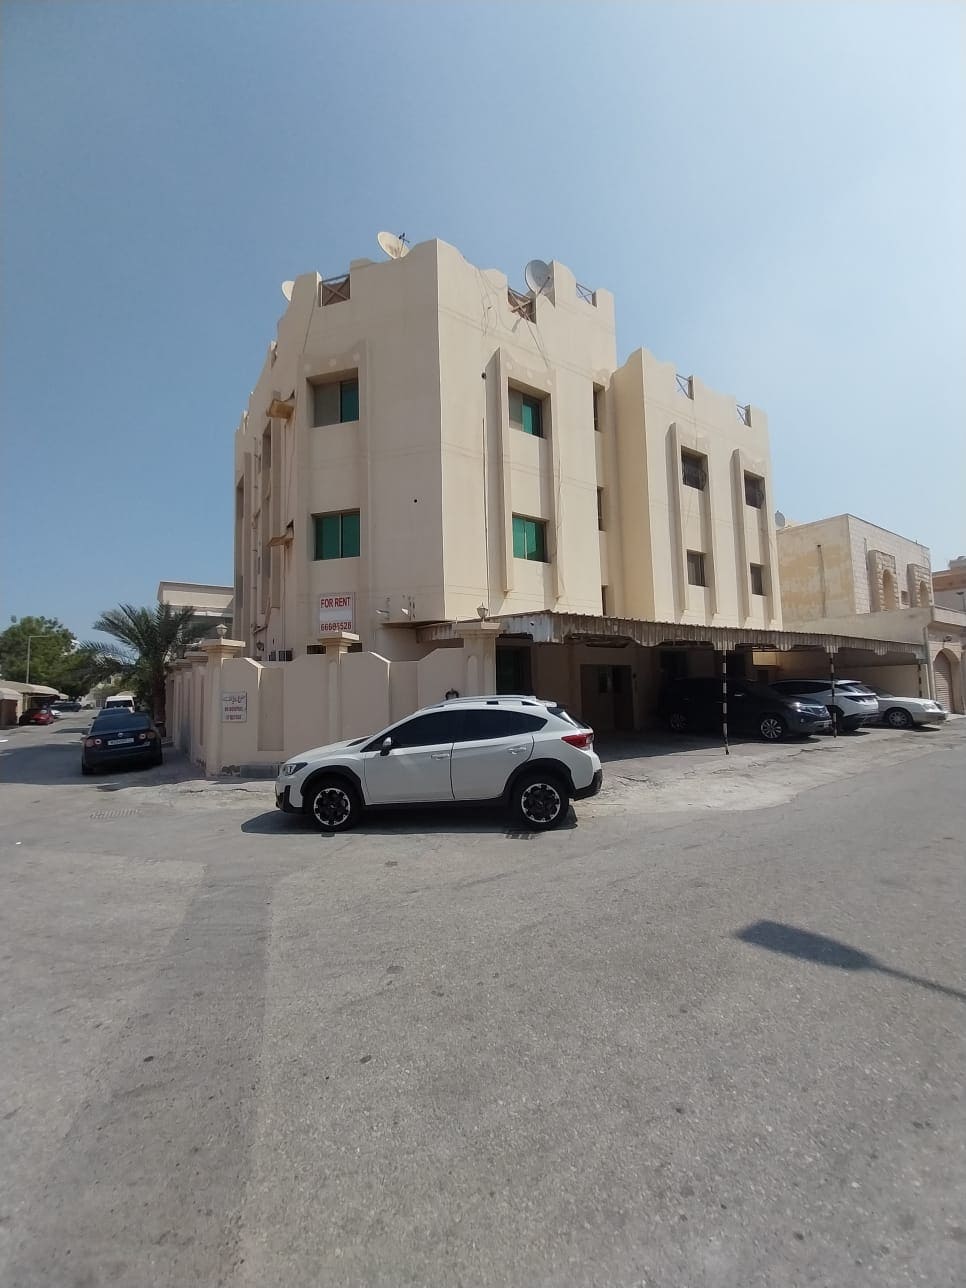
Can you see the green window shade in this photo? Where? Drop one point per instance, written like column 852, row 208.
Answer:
column 536, row 542
column 519, row 537
column 529, row 539
column 328, row 536
column 350, row 534
column 349, row 400
column 532, row 418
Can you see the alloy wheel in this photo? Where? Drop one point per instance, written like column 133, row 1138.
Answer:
column 540, row 803
column 332, row 806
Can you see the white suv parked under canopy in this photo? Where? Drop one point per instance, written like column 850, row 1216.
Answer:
column 522, row 751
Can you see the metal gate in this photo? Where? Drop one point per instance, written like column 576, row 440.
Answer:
column 944, row 681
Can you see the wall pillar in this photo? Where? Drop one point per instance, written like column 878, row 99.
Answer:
column 215, row 652
column 336, row 646
column 479, row 656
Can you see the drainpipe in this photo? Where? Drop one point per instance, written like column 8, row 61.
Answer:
column 930, row 673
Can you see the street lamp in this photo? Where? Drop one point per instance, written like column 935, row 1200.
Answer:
column 39, row 635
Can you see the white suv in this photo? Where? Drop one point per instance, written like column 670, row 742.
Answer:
column 521, row 751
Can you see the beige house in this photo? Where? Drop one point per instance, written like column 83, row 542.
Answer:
column 444, row 483
column 211, row 604
column 845, row 573
column 949, row 584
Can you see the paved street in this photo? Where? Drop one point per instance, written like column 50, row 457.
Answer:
column 708, row 1036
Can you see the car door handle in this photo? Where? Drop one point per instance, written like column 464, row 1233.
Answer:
column 517, row 751
column 439, row 755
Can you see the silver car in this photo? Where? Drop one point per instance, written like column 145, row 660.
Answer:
column 851, row 706
column 902, row 713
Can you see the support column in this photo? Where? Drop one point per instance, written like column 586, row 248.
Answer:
column 479, row 645
column 216, row 652
column 724, row 700
column 336, row 646
column 831, row 671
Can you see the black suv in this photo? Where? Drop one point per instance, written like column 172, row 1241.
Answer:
column 691, row 704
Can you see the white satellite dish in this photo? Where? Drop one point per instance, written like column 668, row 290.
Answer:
column 780, row 520
column 395, row 247
column 287, row 289
column 537, row 275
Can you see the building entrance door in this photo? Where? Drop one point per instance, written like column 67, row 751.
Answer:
column 607, row 698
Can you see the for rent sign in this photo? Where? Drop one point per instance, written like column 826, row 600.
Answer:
column 234, row 707
column 337, row 613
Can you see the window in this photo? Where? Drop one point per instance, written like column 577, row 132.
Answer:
column 437, row 728
column 336, row 402
column 754, row 491
column 694, row 470
column 526, row 413
column 498, row 724
column 696, row 575
column 757, row 579
column 529, row 539
column 600, row 509
column 598, row 409
column 904, row 598
column 605, row 600
column 337, row 535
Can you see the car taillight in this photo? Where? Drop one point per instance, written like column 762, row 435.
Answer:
column 584, row 741
column 92, row 742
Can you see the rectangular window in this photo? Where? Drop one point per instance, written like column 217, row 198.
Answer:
column 336, row 402
column 337, row 535
column 600, row 509
column 526, row 413
column 605, row 600
column 694, row 470
column 529, row 539
column 598, row 409
column 754, row 491
column 757, row 579
column 696, row 575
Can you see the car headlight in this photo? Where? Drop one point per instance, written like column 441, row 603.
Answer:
column 799, row 706
column 292, row 767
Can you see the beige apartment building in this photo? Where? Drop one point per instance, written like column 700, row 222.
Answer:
column 212, row 605
column 949, row 584
column 845, row 573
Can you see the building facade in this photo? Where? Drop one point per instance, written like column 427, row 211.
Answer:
column 949, row 584
column 211, row 605
column 425, row 444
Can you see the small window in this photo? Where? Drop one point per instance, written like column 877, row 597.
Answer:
column 904, row 598
column 600, row 509
column 529, row 539
column 335, row 403
column 433, row 730
column 337, row 535
column 754, row 491
column 498, row 724
column 696, row 575
column 694, row 470
column 526, row 413
column 757, row 579
column 598, row 409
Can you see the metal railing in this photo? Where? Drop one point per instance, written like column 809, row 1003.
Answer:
column 333, row 290
column 585, row 293
column 524, row 305
column 686, row 385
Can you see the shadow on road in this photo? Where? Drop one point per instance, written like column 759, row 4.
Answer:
column 778, row 937
column 443, row 821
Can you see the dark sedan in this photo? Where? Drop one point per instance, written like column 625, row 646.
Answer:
column 118, row 737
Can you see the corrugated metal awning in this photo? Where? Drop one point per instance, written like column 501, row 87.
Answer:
column 577, row 628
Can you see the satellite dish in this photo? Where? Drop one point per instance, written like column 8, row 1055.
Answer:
column 537, row 275
column 780, row 520
column 287, row 289
column 395, row 247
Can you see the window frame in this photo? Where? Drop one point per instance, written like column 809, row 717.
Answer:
column 757, row 489
column 318, row 535
column 342, row 384
column 760, row 570
column 698, row 461
column 700, row 566
column 536, row 403
column 540, row 530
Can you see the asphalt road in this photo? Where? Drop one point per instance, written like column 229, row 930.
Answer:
column 688, row 1042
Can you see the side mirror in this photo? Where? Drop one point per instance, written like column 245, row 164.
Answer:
column 386, row 747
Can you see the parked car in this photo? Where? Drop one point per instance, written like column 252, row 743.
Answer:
column 851, row 706
column 902, row 713
column 37, row 716
column 66, row 706
column 523, row 752
column 118, row 736
column 695, row 703
column 119, row 702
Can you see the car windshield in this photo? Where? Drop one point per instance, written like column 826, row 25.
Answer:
column 119, row 720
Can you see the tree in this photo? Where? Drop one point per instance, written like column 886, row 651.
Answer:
column 149, row 639
column 49, row 643
column 77, row 673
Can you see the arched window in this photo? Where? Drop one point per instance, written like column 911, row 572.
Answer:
column 888, row 591
column 923, row 592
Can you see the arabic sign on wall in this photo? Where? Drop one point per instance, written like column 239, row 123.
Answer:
column 337, row 613
column 234, row 707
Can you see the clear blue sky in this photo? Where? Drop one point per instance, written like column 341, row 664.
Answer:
column 774, row 193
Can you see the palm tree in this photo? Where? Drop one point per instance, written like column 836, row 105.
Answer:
column 149, row 639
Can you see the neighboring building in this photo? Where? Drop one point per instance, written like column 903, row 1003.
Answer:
column 212, row 604
column 845, row 572
column 949, row 584
column 382, row 483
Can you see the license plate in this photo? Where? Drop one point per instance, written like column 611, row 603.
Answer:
column 120, row 742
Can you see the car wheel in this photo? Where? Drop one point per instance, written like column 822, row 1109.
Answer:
column 334, row 804
column 772, row 728
column 897, row 718
column 540, row 801
column 677, row 722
